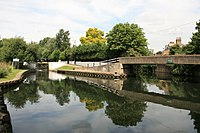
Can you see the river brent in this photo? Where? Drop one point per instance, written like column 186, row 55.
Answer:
column 54, row 103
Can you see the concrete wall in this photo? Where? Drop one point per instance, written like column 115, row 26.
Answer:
column 55, row 65
column 178, row 59
column 110, row 67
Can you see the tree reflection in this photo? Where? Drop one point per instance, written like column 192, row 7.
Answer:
column 134, row 84
column 93, row 97
column 196, row 118
column 126, row 113
column 59, row 89
column 19, row 97
column 178, row 86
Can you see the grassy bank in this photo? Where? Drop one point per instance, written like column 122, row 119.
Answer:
column 11, row 75
column 67, row 67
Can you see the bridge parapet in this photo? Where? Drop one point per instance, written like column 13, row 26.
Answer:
column 175, row 59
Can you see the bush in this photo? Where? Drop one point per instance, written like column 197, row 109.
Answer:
column 5, row 69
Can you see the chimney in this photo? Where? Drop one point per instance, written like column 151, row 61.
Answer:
column 178, row 40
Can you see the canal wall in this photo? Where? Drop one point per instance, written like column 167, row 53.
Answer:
column 115, row 68
column 18, row 78
column 93, row 74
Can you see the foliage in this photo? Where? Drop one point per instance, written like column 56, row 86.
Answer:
column 176, row 49
column 93, row 36
column 194, row 45
column 127, row 40
column 12, row 74
column 91, row 52
column 13, row 48
column 47, row 46
column 182, row 69
column 55, row 55
column 62, row 40
column 32, row 52
column 5, row 69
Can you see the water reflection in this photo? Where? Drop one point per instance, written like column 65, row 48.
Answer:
column 69, row 104
column 5, row 121
column 177, row 86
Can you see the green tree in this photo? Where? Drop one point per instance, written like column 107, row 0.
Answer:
column 32, row 52
column 55, row 55
column 47, row 46
column 13, row 48
column 127, row 40
column 62, row 40
column 93, row 36
column 91, row 52
column 176, row 49
column 194, row 45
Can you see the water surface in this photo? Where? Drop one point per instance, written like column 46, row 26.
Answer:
column 54, row 103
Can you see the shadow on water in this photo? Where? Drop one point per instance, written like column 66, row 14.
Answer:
column 126, row 100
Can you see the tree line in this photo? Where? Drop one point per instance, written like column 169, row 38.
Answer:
column 123, row 40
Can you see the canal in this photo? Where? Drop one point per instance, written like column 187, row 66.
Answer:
column 47, row 102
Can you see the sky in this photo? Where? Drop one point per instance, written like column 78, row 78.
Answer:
column 161, row 20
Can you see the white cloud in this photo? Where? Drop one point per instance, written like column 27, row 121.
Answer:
column 161, row 20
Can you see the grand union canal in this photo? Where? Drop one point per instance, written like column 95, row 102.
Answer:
column 47, row 102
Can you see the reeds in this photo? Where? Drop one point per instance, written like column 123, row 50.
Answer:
column 5, row 69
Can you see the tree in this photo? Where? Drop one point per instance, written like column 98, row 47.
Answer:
column 32, row 52
column 93, row 36
column 194, row 45
column 91, row 52
column 176, row 49
column 47, row 46
column 127, row 40
column 62, row 40
column 13, row 48
column 55, row 55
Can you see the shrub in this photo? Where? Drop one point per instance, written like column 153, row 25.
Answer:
column 5, row 69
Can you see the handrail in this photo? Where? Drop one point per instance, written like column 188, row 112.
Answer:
column 114, row 60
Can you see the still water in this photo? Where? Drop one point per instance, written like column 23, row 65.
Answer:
column 54, row 103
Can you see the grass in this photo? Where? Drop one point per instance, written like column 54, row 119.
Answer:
column 68, row 67
column 11, row 75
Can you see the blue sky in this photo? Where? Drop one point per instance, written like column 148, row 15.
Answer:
column 161, row 20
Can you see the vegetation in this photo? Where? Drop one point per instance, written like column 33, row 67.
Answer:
column 5, row 69
column 127, row 40
column 62, row 40
column 68, row 67
column 123, row 40
column 193, row 47
column 93, row 36
column 13, row 48
column 11, row 75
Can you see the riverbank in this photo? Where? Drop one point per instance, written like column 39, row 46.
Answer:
column 80, row 71
column 13, row 78
column 94, row 74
